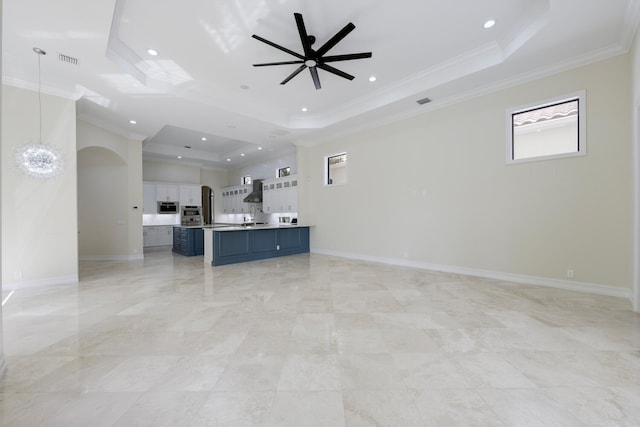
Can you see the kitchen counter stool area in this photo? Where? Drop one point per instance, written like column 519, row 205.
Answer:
column 237, row 244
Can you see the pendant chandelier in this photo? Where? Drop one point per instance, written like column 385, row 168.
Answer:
column 37, row 159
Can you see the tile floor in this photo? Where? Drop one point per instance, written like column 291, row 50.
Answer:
column 312, row 340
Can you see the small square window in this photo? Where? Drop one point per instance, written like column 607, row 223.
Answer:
column 246, row 179
column 552, row 129
column 284, row 172
column 336, row 169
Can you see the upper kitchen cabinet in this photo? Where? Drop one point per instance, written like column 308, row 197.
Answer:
column 167, row 193
column 280, row 195
column 190, row 195
column 149, row 202
column 233, row 199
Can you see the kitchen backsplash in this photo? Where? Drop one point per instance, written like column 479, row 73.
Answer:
column 163, row 219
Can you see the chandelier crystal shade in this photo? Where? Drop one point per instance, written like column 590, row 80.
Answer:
column 39, row 160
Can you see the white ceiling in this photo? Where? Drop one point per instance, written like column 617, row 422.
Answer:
column 203, row 84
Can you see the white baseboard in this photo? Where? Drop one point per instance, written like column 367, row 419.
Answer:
column 591, row 288
column 71, row 279
column 132, row 257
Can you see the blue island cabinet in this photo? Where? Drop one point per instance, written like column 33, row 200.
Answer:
column 253, row 244
column 188, row 241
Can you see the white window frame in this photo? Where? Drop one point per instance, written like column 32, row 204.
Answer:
column 580, row 96
column 325, row 178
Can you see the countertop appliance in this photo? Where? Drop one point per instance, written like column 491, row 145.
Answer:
column 168, row 207
column 191, row 215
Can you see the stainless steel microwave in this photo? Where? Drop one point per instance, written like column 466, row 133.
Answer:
column 168, row 208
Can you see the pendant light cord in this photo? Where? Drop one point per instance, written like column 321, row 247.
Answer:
column 39, row 100
column 39, row 52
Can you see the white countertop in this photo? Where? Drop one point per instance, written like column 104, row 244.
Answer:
column 252, row 227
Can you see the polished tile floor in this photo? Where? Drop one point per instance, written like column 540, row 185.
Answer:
column 312, row 340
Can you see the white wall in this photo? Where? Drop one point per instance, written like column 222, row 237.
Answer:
column 3, row 364
column 266, row 168
column 109, row 187
column 635, row 73
column 434, row 190
column 39, row 218
column 158, row 171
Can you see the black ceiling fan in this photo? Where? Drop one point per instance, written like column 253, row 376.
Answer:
column 314, row 58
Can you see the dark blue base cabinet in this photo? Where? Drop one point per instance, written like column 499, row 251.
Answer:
column 188, row 241
column 249, row 245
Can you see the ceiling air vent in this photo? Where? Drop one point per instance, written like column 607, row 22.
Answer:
column 423, row 101
column 68, row 59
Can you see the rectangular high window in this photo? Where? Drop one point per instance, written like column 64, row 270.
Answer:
column 546, row 130
column 335, row 169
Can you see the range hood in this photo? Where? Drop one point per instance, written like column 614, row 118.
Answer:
column 256, row 195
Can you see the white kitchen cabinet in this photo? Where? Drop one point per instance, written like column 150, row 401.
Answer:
column 190, row 195
column 225, row 201
column 161, row 235
column 233, row 199
column 293, row 195
column 280, row 195
column 165, row 235
column 149, row 236
column 242, row 206
column 149, row 202
column 167, row 193
column 267, row 198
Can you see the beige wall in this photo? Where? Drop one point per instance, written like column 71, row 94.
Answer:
column 109, row 189
column 434, row 190
column 2, row 359
column 635, row 73
column 39, row 218
column 158, row 171
column 266, row 168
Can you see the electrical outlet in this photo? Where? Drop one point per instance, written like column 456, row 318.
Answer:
column 570, row 274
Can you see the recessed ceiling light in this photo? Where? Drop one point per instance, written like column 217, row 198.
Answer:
column 372, row 78
column 133, row 122
column 152, row 52
column 242, row 154
column 228, row 160
column 259, row 148
column 490, row 23
column 179, row 157
column 304, row 109
column 203, row 138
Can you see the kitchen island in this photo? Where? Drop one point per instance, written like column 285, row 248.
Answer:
column 188, row 240
column 230, row 245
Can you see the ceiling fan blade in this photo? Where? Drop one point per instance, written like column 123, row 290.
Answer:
column 336, row 39
column 314, row 76
column 304, row 37
column 278, row 63
column 335, row 71
column 347, row 57
column 292, row 75
column 277, row 46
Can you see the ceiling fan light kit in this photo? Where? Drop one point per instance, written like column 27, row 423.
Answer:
column 314, row 58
